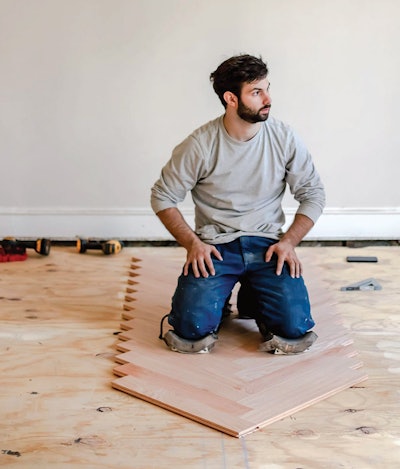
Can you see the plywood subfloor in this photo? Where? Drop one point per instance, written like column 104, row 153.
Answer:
column 234, row 389
column 59, row 325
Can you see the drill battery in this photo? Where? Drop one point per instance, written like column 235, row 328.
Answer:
column 15, row 250
column 12, row 253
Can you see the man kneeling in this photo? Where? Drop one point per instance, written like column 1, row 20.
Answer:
column 237, row 167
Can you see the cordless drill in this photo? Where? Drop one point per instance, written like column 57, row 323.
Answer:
column 12, row 245
column 111, row 246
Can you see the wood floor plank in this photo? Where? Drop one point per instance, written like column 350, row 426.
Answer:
column 184, row 404
column 59, row 410
column 235, row 372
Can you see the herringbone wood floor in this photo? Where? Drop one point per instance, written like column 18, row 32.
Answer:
column 235, row 388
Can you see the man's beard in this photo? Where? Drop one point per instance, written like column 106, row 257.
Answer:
column 251, row 116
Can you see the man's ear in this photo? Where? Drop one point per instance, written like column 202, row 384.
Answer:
column 230, row 98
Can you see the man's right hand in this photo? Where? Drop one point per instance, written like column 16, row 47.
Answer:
column 199, row 257
column 199, row 254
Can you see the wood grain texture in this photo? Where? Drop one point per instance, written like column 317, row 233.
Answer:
column 235, row 388
column 60, row 318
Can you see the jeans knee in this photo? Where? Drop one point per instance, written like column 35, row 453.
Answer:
column 198, row 304
column 291, row 321
column 194, row 325
column 292, row 332
column 297, row 324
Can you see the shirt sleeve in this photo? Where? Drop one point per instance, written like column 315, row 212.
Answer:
column 178, row 176
column 304, row 181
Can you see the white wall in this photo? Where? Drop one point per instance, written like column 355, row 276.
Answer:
column 94, row 94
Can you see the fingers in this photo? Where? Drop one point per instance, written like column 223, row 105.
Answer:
column 279, row 265
column 295, row 269
column 294, row 265
column 216, row 253
column 269, row 253
column 200, row 268
column 201, row 263
column 287, row 256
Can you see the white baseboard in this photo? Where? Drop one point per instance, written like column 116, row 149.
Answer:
column 140, row 224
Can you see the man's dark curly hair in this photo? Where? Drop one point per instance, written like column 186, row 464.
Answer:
column 234, row 72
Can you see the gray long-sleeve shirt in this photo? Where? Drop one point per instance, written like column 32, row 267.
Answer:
column 237, row 187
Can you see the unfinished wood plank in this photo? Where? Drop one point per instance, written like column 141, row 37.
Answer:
column 270, row 386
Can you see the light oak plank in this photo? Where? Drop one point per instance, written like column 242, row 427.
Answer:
column 234, row 369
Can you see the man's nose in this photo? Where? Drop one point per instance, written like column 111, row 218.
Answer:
column 267, row 98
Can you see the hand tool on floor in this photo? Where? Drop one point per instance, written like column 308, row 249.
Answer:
column 12, row 246
column 112, row 246
column 361, row 259
column 367, row 284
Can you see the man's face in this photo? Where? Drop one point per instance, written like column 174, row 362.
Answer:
column 254, row 101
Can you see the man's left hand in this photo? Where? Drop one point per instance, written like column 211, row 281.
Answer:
column 285, row 252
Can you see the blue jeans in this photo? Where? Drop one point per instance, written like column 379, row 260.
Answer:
column 279, row 304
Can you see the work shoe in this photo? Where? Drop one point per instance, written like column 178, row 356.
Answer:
column 288, row 346
column 177, row 344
